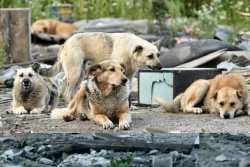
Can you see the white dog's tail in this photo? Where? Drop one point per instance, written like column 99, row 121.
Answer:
column 172, row 106
column 55, row 69
column 58, row 113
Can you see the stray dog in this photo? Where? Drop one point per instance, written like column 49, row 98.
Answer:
column 125, row 48
column 55, row 27
column 225, row 95
column 103, row 99
column 31, row 94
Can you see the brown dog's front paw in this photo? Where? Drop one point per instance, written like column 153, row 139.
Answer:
column 124, row 125
column 68, row 118
column 108, row 125
column 81, row 116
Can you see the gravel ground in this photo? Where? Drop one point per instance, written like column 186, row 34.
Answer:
column 142, row 118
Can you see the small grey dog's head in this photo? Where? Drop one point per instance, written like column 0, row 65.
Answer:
column 26, row 77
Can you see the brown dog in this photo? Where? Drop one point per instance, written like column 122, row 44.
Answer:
column 225, row 95
column 55, row 27
column 103, row 99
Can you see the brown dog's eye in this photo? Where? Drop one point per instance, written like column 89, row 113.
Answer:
column 221, row 104
column 30, row 75
column 112, row 69
column 150, row 56
column 232, row 104
column 21, row 75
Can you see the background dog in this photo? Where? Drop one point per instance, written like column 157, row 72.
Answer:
column 103, row 99
column 125, row 48
column 225, row 95
column 31, row 94
column 55, row 27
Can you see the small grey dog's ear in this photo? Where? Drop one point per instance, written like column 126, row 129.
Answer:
column 36, row 67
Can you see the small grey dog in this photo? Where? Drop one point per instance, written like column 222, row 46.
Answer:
column 31, row 94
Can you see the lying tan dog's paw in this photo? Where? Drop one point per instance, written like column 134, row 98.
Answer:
column 197, row 110
column 36, row 111
column 239, row 113
column 20, row 110
column 108, row 125
column 68, row 118
column 124, row 125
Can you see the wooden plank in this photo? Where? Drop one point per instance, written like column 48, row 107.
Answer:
column 19, row 34
column 4, row 34
column 202, row 60
column 49, row 57
column 122, row 145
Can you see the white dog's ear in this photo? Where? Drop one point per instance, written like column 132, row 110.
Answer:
column 138, row 49
column 214, row 95
column 239, row 94
column 36, row 67
column 93, row 70
column 157, row 43
column 123, row 66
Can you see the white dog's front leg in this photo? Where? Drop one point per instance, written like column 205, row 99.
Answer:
column 19, row 110
column 37, row 110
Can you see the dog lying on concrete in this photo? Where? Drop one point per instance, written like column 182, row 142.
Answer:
column 104, row 99
column 226, row 95
column 31, row 94
column 125, row 48
column 55, row 27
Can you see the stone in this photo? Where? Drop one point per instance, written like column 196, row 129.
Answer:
column 29, row 149
column 153, row 152
column 221, row 158
column 46, row 161
column 244, row 163
column 163, row 160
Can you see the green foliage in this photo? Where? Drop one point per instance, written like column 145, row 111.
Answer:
column 122, row 162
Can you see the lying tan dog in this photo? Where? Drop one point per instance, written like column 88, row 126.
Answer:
column 104, row 99
column 125, row 48
column 55, row 27
column 31, row 94
column 225, row 95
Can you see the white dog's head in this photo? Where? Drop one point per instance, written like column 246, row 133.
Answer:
column 25, row 78
column 228, row 100
column 147, row 54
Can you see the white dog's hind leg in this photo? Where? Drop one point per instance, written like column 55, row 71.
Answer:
column 20, row 110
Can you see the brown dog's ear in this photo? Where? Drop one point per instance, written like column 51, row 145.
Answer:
column 36, row 67
column 123, row 66
column 214, row 95
column 94, row 70
column 157, row 43
column 239, row 94
column 138, row 49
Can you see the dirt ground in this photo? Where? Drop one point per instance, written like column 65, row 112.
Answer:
column 142, row 117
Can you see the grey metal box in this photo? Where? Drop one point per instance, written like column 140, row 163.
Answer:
column 169, row 82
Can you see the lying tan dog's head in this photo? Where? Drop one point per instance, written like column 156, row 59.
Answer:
column 228, row 101
column 40, row 26
column 147, row 54
column 26, row 79
column 108, row 72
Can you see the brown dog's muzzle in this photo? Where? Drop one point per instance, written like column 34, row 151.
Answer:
column 124, row 81
column 158, row 67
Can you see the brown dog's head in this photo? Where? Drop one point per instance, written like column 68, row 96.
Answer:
column 228, row 101
column 108, row 72
column 147, row 54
